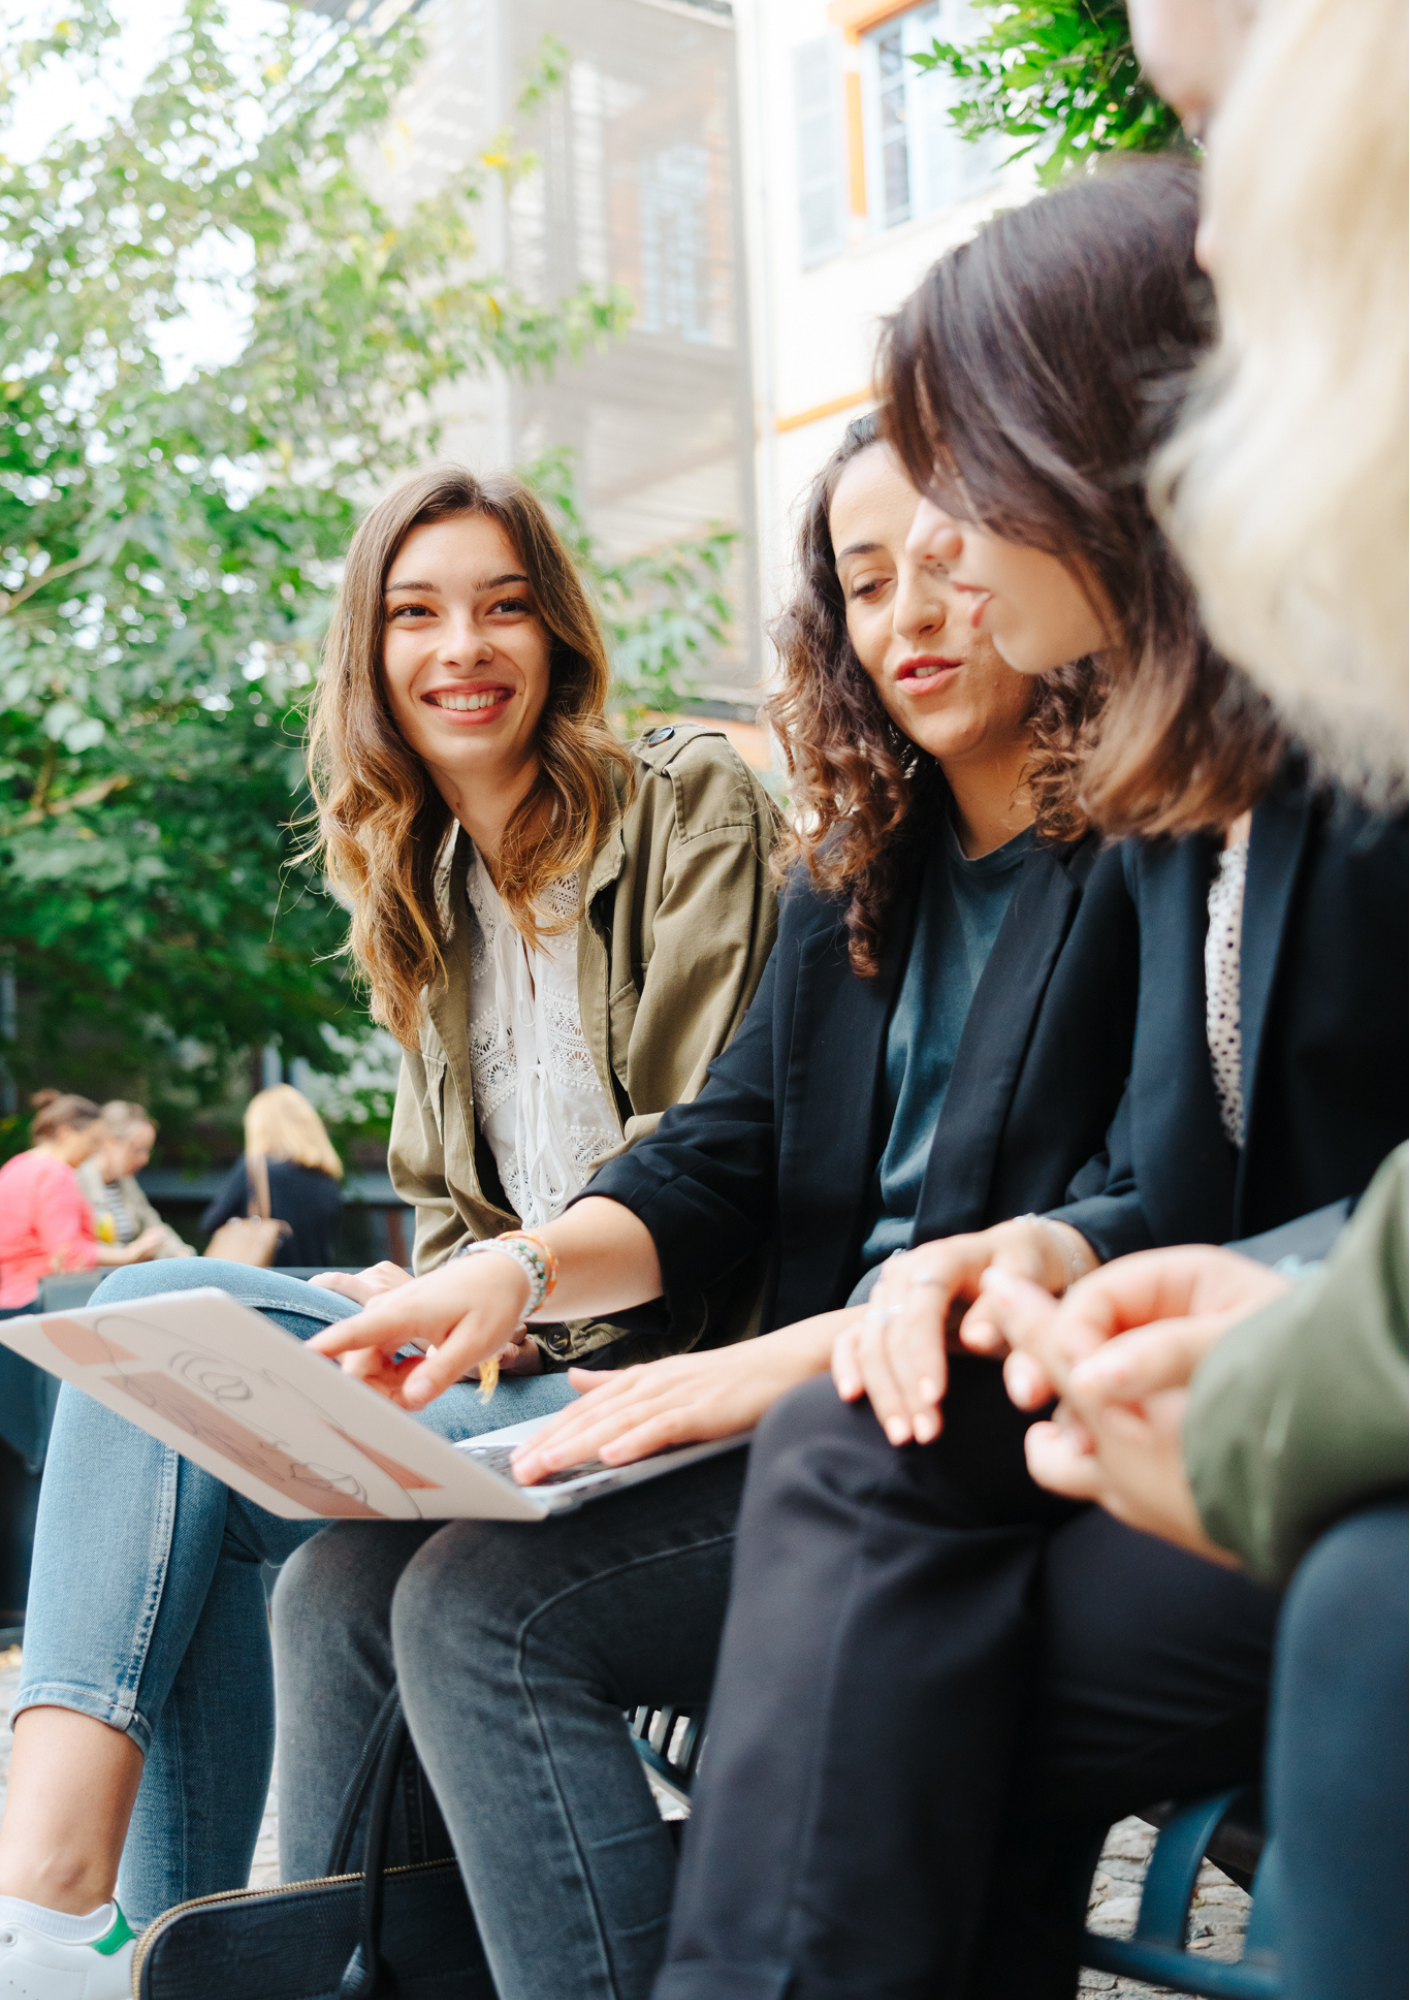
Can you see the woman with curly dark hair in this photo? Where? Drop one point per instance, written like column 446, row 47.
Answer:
column 937, row 1045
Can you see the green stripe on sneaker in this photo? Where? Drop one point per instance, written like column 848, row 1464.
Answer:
column 121, row 1933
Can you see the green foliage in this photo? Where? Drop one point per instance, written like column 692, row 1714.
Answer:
column 168, row 545
column 1058, row 77
column 665, row 612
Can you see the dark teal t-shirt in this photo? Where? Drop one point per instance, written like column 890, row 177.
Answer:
column 962, row 904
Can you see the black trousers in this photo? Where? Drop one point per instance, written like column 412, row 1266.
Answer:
column 938, row 1685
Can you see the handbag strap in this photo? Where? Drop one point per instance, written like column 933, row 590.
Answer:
column 257, row 1172
column 367, row 1975
column 359, row 1784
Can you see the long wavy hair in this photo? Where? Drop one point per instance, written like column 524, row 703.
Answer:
column 383, row 827
column 861, row 790
column 1029, row 377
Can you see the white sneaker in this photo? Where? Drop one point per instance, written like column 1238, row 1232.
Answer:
column 35, row 1967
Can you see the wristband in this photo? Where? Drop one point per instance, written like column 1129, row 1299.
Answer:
column 535, row 1258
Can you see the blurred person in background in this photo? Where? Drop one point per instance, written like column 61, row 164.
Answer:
column 46, row 1229
column 283, row 1129
column 108, row 1181
column 46, row 1225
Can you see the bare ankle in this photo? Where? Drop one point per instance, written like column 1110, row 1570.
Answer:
column 60, row 1882
column 73, row 1781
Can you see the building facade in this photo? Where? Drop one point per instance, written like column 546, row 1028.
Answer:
column 765, row 179
column 636, row 186
column 857, row 181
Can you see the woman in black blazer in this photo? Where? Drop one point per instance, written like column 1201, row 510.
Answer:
column 780, row 1156
column 938, row 1684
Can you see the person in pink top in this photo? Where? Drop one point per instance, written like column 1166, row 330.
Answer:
column 46, row 1226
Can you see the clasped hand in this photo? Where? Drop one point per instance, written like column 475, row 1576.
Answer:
column 1119, row 1351
column 931, row 1296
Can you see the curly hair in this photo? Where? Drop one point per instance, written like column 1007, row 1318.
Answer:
column 862, row 793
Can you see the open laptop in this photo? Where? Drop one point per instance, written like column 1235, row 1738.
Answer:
column 288, row 1428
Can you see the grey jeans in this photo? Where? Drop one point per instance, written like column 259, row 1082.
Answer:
column 517, row 1647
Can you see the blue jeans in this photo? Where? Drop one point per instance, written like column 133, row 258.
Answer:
column 147, row 1605
column 1336, row 1764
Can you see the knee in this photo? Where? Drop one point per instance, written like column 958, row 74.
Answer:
column 180, row 1274
column 140, row 1281
column 810, row 1435
column 462, row 1587
column 321, row 1587
column 1346, row 1606
column 805, row 1417
column 427, row 1584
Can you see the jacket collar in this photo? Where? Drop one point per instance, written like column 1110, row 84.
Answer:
column 831, row 1095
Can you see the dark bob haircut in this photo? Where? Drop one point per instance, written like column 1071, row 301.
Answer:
column 1028, row 379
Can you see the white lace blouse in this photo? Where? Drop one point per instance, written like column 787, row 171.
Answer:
column 1222, row 1007
column 538, row 1100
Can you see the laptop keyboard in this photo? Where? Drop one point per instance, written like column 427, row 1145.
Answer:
column 498, row 1458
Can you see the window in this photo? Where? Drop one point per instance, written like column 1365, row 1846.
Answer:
column 816, row 106
column 918, row 162
column 674, row 251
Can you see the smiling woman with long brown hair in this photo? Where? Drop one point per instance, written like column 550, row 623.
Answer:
column 561, row 932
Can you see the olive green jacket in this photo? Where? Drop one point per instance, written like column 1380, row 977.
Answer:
column 1299, row 1414
column 679, row 919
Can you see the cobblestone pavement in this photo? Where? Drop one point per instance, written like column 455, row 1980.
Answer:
column 1217, row 1924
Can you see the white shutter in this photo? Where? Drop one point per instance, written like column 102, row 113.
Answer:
column 816, row 106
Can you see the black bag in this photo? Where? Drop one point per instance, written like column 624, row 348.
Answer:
column 402, row 1933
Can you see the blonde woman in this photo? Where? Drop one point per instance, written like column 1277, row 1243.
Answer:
column 108, row 1180
column 561, row 933
column 283, row 1129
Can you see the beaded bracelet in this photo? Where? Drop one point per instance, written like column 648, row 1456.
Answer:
column 535, row 1258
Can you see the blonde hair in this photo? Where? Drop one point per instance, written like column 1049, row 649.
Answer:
column 383, row 825
column 123, row 1119
column 283, row 1125
column 1286, row 487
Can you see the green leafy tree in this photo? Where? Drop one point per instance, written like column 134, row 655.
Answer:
column 169, row 538
column 1060, row 80
column 665, row 611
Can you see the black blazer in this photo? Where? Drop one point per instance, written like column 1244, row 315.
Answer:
column 310, row 1201
column 1323, row 1016
column 778, row 1149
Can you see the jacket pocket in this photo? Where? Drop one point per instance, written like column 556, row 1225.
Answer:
column 621, row 1024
